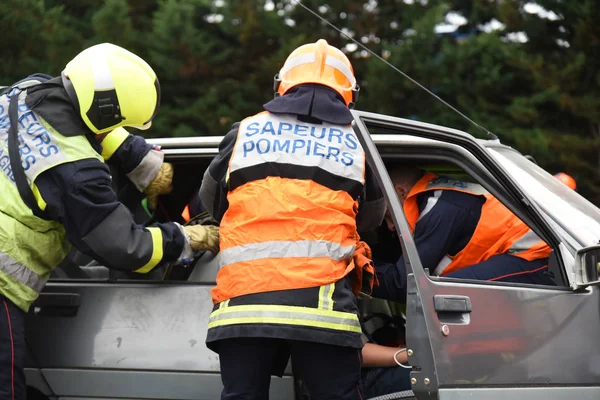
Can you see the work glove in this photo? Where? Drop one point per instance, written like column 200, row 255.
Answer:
column 162, row 184
column 203, row 237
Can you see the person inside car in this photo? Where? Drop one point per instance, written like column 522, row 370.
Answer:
column 285, row 188
column 384, row 369
column 56, row 187
column 460, row 231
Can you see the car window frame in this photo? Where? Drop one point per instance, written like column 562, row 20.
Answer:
column 474, row 158
column 173, row 149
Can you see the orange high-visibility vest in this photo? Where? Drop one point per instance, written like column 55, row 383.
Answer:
column 291, row 220
column 499, row 231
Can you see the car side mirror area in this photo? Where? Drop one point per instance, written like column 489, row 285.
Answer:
column 587, row 264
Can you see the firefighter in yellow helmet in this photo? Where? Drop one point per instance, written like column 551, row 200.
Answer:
column 55, row 135
column 291, row 189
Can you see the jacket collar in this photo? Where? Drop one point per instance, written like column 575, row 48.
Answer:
column 312, row 101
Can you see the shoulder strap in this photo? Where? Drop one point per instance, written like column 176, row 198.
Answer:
column 15, row 160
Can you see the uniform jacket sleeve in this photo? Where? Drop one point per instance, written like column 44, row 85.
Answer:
column 79, row 196
column 136, row 158
column 213, row 191
column 445, row 229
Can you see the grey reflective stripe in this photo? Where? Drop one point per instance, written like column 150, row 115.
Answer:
column 286, row 249
column 296, row 61
column 147, row 170
column 283, row 315
column 525, row 242
column 26, row 84
column 431, row 202
column 21, row 273
column 442, row 265
column 446, row 183
column 286, row 315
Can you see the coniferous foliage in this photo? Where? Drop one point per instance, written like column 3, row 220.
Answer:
column 529, row 71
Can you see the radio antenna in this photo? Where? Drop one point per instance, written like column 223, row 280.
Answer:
column 490, row 134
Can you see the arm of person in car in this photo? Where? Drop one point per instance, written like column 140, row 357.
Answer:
column 375, row 355
column 79, row 196
column 437, row 233
column 213, row 191
column 371, row 205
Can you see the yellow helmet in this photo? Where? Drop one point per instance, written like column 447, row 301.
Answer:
column 111, row 87
column 319, row 63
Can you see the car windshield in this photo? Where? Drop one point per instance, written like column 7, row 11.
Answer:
column 565, row 206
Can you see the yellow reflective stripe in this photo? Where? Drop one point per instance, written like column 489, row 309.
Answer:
column 38, row 198
column 224, row 303
column 290, row 315
column 326, row 296
column 113, row 141
column 286, row 321
column 330, row 296
column 157, row 250
column 322, row 297
column 276, row 308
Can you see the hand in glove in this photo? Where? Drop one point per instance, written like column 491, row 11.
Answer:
column 162, row 184
column 203, row 237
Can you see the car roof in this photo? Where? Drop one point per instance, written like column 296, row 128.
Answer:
column 210, row 144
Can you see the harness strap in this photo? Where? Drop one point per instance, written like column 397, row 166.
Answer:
column 15, row 161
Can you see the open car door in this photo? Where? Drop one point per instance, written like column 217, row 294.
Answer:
column 488, row 340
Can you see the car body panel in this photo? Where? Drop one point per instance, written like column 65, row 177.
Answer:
column 132, row 384
column 511, row 335
column 145, row 339
column 133, row 340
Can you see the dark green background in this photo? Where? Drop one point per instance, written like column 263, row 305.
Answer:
column 216, row 60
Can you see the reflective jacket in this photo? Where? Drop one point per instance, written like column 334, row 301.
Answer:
column 31, row 247
column 289, row 232
column 498, row 231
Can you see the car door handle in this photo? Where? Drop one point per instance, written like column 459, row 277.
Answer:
column 451, row 304
column 56, row 304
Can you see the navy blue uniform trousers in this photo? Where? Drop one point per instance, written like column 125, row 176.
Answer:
column 327, row 372
column 380, row 381
column 12, row 351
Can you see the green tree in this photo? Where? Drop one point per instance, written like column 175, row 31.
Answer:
column 529, row 72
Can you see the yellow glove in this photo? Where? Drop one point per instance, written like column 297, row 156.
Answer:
column 203, row 237
column 162, row 184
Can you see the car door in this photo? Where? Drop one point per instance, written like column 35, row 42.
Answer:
column 94, row 334
column 488, row 340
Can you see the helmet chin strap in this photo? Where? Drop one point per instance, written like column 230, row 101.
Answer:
column 104, row 112
column 276, row 84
